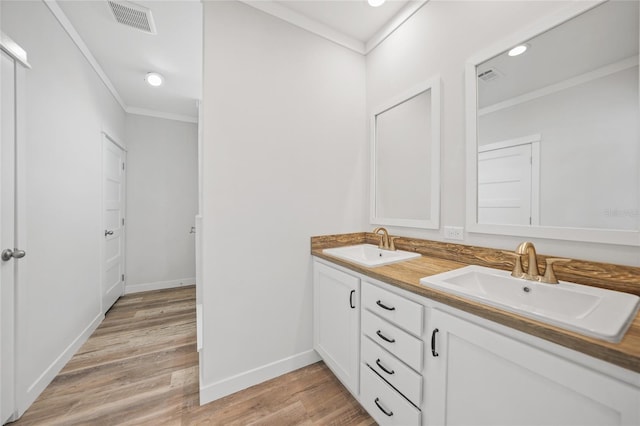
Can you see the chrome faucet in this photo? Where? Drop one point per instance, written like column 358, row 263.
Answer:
column 386, row 242
column 528, row 248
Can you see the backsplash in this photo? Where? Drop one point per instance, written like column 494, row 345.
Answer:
column 597, row 274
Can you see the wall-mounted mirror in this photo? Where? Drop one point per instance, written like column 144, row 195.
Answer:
column 405, row 159
column 553, row 130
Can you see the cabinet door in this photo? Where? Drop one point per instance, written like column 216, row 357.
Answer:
column 336, row 321
column 482, row 377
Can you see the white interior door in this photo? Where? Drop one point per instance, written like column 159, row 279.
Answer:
column 13, row 65
column 506, row 182
column 7, row 235
column 113, row 191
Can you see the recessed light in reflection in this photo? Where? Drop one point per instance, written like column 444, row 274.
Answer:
column 518, row 50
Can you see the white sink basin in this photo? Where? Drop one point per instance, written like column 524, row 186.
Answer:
column 370, row 255
column 592, row 311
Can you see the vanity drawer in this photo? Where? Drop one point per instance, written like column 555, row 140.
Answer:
column 394, row 308
column 384, row 404
column 392, row 338
column 401, row 377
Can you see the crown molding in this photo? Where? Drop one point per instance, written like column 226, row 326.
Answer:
column 161, row 114
column 274, row 9
column 405, row 13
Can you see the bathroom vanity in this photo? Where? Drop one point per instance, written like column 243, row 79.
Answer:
column 414, row 355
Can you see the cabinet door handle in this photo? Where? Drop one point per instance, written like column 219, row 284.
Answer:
column 351, row 299
column 433, row 342
column 379, row 364
column 388, row 413
column 383, row 306
column 385, row 338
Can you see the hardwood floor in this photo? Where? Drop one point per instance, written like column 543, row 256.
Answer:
column 140, row 367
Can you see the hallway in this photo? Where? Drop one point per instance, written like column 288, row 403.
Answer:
column 141, row 367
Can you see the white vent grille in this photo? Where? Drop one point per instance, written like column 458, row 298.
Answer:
column 132, row 15
column 489, row 75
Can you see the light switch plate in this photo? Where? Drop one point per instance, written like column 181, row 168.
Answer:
column 454, row 232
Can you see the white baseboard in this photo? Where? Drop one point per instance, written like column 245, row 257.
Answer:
column 40, row 384
column 158, row 285
column 213, row 391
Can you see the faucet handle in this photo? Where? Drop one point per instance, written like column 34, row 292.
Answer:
column 392, row 243
column 517, row 267
column 549, row 275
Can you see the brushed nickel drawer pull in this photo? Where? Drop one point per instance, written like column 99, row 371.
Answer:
column 385, row 338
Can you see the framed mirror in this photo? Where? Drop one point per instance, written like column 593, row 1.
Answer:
column 553, row 147
column 405, row 159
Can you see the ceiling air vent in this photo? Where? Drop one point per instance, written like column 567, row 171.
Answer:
column 489, row 75
column 134, row 16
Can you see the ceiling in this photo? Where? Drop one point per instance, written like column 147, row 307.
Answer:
column 588, row 42
column 125, row 55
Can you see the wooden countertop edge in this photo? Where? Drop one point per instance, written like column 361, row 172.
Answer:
column 625, row 354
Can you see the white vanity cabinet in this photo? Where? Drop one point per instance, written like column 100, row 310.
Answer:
column 382, row 343
column 336, row 322
column 482, row 377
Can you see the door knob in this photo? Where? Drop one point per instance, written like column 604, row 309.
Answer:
column 108, row 233
column 15, row 253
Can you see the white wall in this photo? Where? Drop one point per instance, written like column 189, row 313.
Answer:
column 162, row 201
column 438, row 39
column 285, row 158
column 67, row 106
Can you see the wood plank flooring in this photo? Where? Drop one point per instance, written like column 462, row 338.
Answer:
column 140, row 367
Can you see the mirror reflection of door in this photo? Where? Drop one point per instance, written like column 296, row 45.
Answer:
column 508, row 182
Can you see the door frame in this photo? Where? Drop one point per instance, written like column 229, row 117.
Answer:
column 107, row 137
column 21, row 64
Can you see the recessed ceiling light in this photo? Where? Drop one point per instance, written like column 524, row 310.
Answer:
column 154, row 79
column 518, row 50
column 375, row 3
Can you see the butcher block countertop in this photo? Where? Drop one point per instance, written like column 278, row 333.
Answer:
column 438, row 257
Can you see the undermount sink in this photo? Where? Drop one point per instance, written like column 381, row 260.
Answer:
column 370, row 255
column 591, row 311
